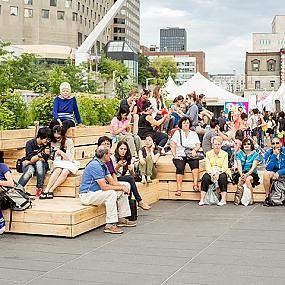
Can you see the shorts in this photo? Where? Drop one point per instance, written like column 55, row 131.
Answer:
column 180, row 164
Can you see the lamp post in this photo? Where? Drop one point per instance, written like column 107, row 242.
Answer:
column 114, row 83
column 147, row 80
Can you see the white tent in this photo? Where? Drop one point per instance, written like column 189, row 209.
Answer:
column 170, row 88
column 268, row 103
column 280, row 95
column 201, row 85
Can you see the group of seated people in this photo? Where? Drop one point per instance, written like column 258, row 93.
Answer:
column 141, row 130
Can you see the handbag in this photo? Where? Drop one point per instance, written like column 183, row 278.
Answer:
column 188, row 151
column 236, row 175
column 19, row 164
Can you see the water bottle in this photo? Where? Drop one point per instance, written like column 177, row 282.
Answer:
column 2, row 223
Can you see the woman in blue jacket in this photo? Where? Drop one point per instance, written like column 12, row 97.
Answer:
column 275, row 166
column 65, row 108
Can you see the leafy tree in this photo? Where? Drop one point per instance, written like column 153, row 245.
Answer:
column 144, row 69
column 165, row 66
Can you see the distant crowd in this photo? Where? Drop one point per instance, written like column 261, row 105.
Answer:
column 233, row 147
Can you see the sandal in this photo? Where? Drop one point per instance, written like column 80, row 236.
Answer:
column 196, row 188
column 49, row 195
column 43, row 195
column 178, row 193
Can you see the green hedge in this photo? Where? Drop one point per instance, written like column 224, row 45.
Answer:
column 16, row 114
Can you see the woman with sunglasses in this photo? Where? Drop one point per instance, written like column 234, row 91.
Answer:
column 247, row 161
column 62, row 153
column 122, row 161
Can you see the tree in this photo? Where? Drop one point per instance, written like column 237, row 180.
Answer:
column 144, row 69
column 165, row 66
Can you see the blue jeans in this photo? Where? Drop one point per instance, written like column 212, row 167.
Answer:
column 261, row 138
column 39, row 169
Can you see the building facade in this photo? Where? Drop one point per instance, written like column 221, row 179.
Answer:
column 231, row 82
column 270, row 42
column 262, row 71
column 64, row 22
column 173, row 40
column 188, row 63
column 126, row 26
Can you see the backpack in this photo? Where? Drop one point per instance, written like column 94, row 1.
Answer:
column 14, row 198
column 277, row 192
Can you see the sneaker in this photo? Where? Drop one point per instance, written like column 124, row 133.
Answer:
column 201, row 203
column 113, row 230
column 123, row 222
column 39, row 191
column 148, row 179
column 143, row 179
column 222, row 203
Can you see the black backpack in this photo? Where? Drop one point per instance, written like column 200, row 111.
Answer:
column 277, row 192
column 14, row 198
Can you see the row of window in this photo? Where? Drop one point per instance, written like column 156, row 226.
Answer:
column 271, row 65
column 268, row 42
column 257, row 85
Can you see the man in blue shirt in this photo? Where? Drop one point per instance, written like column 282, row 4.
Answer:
column 274, row 160
column 97, row 187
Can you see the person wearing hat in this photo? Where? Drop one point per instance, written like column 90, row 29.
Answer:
column 65, row 108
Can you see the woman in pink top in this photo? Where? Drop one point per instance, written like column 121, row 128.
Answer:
column 120, row 130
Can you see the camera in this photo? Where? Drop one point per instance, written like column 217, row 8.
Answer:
column 52, row 153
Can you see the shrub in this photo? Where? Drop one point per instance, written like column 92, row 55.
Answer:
column 41, row 109
column 14, row 112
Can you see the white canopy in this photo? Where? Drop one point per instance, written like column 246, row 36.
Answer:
column 201, row 85
column 268, row 103
column 170, row 88
column 280, row 95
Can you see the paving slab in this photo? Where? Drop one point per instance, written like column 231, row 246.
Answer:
column 176, row 242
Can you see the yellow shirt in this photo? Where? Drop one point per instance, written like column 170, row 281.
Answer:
column 220, row 161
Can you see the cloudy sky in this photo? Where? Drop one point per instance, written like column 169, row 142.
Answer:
column 221, row 28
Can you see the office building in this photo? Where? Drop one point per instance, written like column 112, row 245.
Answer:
column 173, row 39
column 229, row 81
column 65, row 22
column 188, row 63
column 271, row 42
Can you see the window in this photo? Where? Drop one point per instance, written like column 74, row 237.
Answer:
column 271, row 64
column 67, row 3
column 257, row 85
column 119, row 21
column 255, row 65
column 74, row 17
column 13, row 11
column 79, row 39
column 28, row 13
column 45, row 14
column 53, row 3
column 78, row 6
column 28, row 2
column 60, row 15
column 83, row 7
column 272, row 84
column 0, row 9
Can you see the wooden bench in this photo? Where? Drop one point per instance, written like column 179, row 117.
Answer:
column 64, row 215
column 167, row 178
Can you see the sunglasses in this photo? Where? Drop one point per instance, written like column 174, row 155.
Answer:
column 247, row 144
column 274, row 143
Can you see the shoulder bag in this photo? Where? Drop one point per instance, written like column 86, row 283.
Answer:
column 188, row 151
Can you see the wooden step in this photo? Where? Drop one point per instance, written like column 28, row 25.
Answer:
column 58, row 217
column 87, row 131
column 66, row 216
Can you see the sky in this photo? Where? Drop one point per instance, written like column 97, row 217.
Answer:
column 221, row 28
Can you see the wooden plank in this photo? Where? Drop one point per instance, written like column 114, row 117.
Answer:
column 17, row 134
column 171, row 176
column 87, row 131
column 12, row 144
column 90, row 140
column 15, row 153
column 81, row 152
